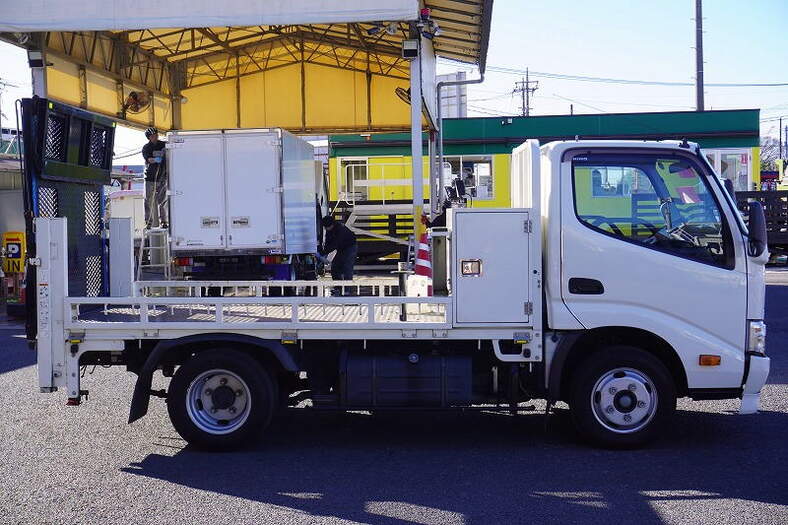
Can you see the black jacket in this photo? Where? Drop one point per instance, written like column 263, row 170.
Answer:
column 338, row 238
column 151, row 170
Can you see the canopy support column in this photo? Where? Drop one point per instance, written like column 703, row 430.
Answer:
column 415, row 146
column 37, row 60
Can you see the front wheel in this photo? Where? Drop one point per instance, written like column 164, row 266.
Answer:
column 221, row 399
column 622, row 397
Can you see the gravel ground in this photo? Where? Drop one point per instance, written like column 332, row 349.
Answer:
column 86, row 465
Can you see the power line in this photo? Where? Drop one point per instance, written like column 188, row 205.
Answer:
column 489, row 111
column 772, row 119
column 587, row 78
column 606, row 80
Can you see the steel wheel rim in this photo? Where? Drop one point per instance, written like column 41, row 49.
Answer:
column 624, row 400
column 218, row 401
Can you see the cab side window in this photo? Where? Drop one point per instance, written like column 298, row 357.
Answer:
column 660, row 203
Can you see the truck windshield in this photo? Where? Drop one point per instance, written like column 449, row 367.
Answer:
column 663, row 202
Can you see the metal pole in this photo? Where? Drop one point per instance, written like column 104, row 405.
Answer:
column 699, row 55
column 432, row 174
column 439, row 87
column 415, row 144
column 527, row 109
column 522, row 96
column 781, row 137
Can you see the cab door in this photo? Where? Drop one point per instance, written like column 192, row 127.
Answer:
column 647, row 244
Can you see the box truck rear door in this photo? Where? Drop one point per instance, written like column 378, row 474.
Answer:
column 197, row 191
column 254, row 198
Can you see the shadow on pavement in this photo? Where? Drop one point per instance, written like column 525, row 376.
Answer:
column 14, row 352
column 488, row 468
column 483, row 468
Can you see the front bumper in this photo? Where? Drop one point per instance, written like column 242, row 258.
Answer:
column 757, row 373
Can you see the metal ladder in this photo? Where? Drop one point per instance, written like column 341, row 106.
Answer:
column 155, row 243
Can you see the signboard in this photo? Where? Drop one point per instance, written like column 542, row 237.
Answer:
column 14, row 248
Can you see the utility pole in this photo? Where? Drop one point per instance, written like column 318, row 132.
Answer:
column 699, row 55
column 525, row 88
column 781, row 137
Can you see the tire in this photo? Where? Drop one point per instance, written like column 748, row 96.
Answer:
column 622, row 397
column 241, row 388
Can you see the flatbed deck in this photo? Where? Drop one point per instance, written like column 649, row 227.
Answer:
column 259, row 313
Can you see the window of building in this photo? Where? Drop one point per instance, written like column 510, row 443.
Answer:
column 353, row 176
column 734, row 164
column 476, row 171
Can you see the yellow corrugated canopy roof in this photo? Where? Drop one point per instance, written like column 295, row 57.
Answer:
column 306, row 77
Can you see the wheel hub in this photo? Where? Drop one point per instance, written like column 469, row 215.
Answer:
column 223, row 397
column 217, row 401
column 624, row 400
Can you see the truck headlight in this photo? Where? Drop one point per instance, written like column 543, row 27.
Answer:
column 756, row 338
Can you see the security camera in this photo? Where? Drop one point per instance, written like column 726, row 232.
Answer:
column 410, row 49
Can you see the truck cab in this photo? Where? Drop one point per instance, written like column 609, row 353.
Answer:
column 644, row 247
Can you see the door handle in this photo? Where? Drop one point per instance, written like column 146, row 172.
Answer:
column 585, row 286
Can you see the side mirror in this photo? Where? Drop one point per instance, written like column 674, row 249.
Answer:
column 729, row 188
column 757, row 226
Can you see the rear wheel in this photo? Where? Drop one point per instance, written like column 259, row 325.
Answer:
column 221, row 399
column 622, row 397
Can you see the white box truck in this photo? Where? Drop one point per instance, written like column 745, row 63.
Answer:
column 623, row 279
column 243, row 204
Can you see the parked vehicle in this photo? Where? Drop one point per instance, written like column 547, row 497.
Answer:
column 623, row 278
column 243, row 204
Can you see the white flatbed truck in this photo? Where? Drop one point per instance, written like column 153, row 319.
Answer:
column 623, row 278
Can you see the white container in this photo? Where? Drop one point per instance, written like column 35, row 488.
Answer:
column 241, row 191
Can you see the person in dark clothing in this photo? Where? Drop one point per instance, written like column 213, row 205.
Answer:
column 339, row 238
column 440, row 220
column 155, row 180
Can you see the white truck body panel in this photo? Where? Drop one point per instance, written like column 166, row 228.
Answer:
column 253, row 202
column 490, row 285
column 241, row 190
column 197, row 191
column 299, row 195
column 121, row 253
column 531, row 167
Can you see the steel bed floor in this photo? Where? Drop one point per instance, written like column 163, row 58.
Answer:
column 271, row 313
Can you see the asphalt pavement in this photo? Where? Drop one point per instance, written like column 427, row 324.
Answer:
column 86, row 465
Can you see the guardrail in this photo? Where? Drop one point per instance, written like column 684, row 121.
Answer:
column 254, row 312
column 366, row 287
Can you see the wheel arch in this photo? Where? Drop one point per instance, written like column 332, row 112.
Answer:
column 272, row 354
column 576, row 347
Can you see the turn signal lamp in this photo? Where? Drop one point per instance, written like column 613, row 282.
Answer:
column 709, row 360
column 756, row 338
